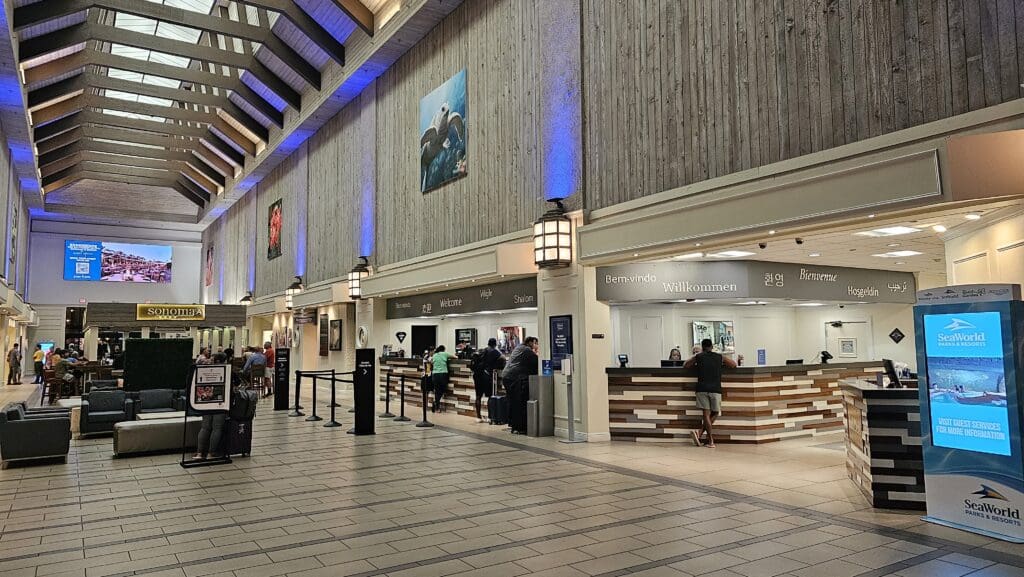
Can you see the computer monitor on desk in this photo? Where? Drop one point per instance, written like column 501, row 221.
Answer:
column 890, row 371
column 667, row 363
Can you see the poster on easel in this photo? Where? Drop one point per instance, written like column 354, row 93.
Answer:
column 209, row 394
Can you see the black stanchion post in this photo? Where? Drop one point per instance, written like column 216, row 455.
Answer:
column 401, row 400
column 387, row 397
column 314, row 416
column 425, row 422
column 333, row 422
column 295, row 410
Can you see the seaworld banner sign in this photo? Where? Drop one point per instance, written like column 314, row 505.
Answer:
column 971, row 426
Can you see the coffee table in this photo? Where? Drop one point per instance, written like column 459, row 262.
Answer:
column 156, row 416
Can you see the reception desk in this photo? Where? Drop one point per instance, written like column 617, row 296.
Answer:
column 759, row 404
column 883, row 444
column 461, row 395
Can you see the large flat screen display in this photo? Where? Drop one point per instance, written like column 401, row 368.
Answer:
column 93, row 260
column 967, row 382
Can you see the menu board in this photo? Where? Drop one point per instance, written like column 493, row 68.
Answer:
column 967, row 382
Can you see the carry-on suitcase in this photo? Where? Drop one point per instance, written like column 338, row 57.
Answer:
column 238, row 431
column 497, row 405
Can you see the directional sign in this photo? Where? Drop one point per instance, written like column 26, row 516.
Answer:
column 363, row 389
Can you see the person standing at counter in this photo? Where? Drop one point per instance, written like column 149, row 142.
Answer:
column 521, row 364
column 485, row 362
column 439, row 375
column 709, row 387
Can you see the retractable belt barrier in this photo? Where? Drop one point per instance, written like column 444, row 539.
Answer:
column 401, row 418
column 387, row 414
column 331, row 375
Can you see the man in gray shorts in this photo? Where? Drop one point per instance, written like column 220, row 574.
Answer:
column 709, row 387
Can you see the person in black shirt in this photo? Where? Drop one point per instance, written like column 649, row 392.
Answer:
column 709, row 387
column 485, row 362
column 521, row 364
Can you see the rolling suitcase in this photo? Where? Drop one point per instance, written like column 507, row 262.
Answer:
column 497, row 405
column 239, row 423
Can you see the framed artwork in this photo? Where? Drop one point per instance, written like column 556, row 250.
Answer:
column 274, row 225
column 209, row 266
column 335, row 336
column 324, row 329
column 443, row 134
column 847, row 347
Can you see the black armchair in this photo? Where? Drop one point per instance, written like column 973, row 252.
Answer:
column 159, row 401
column 95, row 385
column 102, row 408
column 39, row 436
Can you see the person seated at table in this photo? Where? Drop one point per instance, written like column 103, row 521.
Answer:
column 675, row 355
column 256, row 358
column 204, row 357
column 220, row 359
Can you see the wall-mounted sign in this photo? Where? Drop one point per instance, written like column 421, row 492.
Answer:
column 970, row 293
column 400, row 335
column 169, row 312
column 897, row 335
column 510, row 295
column 752, row 279
column 304, row 316
column 561, row 339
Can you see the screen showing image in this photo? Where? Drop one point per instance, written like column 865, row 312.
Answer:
column 720, row 333
column 92, row 260
column 966, row 382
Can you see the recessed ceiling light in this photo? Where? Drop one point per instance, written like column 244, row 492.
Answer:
column 900, row 262
column 691, row 301
column 939, row 228
column 893, row 244
column 871, row 216
column 889, row 231
column 697, row 244
column 897, row 254
column 731, row 254
column 771, row 232
column 689, row 256
column 972, row 216
column 814, row 254
column 636, row 254
column 809, row 304
column 748, row 303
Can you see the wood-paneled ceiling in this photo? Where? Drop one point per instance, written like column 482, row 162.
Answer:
column 167, row 99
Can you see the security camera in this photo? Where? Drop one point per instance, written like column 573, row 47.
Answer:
column 799, row 240
column 762, row 245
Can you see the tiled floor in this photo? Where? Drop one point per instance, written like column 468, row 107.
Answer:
column 467, row 499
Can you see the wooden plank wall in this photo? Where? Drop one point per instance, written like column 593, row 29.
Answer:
column 342, row 163
column 497, row 42
column 287, row 182
column 679, row 91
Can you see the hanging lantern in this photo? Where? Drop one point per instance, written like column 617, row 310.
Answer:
column 247, row 299
column 552, row 238
column 292, row 290
column 356, row 276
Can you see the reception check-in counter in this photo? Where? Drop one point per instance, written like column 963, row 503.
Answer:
column 759, row 404
column 461, row 393
column 883, row 444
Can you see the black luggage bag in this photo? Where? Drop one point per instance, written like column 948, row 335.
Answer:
column 497, row 405
column 238, row 433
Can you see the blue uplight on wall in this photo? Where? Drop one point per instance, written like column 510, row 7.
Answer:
column 562, row 130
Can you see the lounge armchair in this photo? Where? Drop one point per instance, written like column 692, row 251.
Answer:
column 104, row 407
column 159, row 401
column 95, row 385
column 40, row 436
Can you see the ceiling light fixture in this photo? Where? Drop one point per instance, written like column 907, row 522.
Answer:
column 809, row 304
column 690, row 256
column 897, row 254
column 771, row 232
column 972, row 216
column 814, row 254
column 731, row 254
column 939, row 228
column 888, row 231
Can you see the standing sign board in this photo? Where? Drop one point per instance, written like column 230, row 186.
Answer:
column 970, row 386
column 561, row 340
column 209, row 393
column 363, row 391
column 282, row 376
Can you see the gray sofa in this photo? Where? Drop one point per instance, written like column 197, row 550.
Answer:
column 30, row 435
column 102, row 408
column 159, row 401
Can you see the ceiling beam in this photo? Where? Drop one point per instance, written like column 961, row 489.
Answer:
column 85, row 31
column 90, row 145
column 219, row 146
column 50, row 10
column 118, row 214
column 304, row 22
column 359, row 14
column 83, row 58
column 229, row 134
column 193, row 188
column 85, row 117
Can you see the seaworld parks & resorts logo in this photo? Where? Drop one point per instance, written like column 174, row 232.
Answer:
column 984, row 508
column 961, row 333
